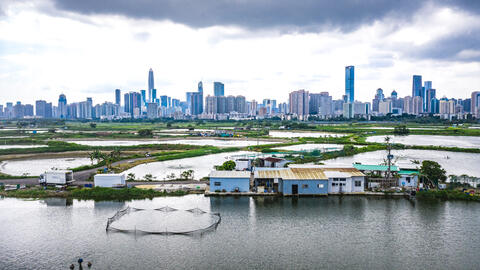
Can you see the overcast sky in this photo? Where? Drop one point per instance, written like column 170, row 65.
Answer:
column 258, row 48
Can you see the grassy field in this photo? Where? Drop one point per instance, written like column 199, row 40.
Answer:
column 97, row 193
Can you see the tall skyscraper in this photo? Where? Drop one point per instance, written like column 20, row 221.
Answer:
column 62, row 106
column 200, row 87
column 150, row 84
column 350, row 83
column 218, row 89
column 379, row 96
column 117, row 96
column 154, row 95
column 196, row 103
column 144, row 96
column 430, row 95
column 427, row 85
column 417, row 86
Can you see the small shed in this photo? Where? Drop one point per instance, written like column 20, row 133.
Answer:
column 408, row 178
column 109, row 180
column 230, row 181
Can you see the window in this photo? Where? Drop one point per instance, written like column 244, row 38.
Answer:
column 334, row 184
column 408, row 180
column 320, row 185
column 304, row 186
column 358, row 183
column 218, row 184
column 342, row 179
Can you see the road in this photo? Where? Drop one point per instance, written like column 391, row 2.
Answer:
column 81, row 177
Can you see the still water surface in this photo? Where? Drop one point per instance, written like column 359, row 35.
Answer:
column 287, row 233
column 456, row 163
column 435, row 140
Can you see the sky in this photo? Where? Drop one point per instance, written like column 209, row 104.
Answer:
column 258, row 48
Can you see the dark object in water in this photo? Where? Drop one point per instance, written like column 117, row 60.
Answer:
column 72, row 266
column 89, row 264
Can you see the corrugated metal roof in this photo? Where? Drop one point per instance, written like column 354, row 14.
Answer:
column 230, row 174
column 409, row 172
column 304, row 173
column 365, row 167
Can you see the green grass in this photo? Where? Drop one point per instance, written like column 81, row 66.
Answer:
column 447, row 195
column 97, row 193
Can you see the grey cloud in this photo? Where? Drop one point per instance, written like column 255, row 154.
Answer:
column 299, row 15
column 450, row 48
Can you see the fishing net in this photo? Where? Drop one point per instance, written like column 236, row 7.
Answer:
column 165, row 221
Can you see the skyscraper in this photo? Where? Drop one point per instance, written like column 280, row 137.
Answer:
column 154, row 95
column 200, row 87
column 150, row 84
column 144, row 96
column 350, row 83
column 117, row 96
column 62, row 106
column 218, row 89
column 475, row 103
column 427, row 85
column 417, row 86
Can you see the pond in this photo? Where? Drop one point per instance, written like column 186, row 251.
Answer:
column 19, row 167
column 323, row 147
column 301, row 134
column 453, row 162
column 10, row 146
column 435, row 140
column 212, row 142
column 201, row 166
column 254, row 233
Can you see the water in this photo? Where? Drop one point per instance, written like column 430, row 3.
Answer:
column 435, row 140
column 312, row 146
column 273, row 233
column 10, row 146
column 19, row 167
column 201, row 166
column 212, row 142
column 456, row 163
column 291, row 134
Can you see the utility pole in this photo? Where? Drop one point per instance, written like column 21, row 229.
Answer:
column 389, row 161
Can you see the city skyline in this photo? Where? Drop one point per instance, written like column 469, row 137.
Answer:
column 45, row 49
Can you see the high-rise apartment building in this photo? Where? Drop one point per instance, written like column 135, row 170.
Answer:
column 350, row 83
column 475, row 103
column 298, row 102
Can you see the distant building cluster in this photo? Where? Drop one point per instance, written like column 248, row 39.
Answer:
column 301, row 105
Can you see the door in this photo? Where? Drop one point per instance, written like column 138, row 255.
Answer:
column 294, row 189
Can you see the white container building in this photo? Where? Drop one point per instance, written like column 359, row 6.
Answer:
column 109, row 180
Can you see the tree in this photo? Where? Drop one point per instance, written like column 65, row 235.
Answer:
column 145, row 132
column 148, row 177
column 228, row 165
column 93, row 125
column 187, row 174
column 131, row 177
column 432, row 173
column 96, row 155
